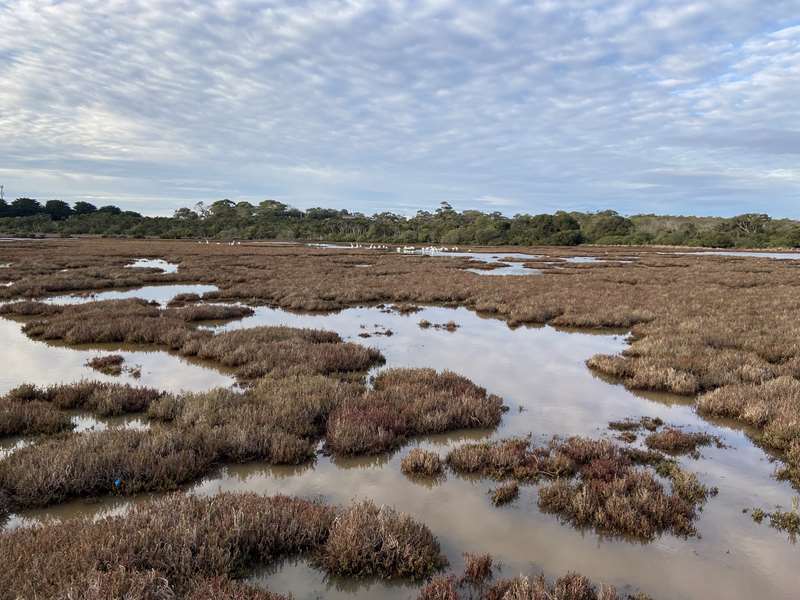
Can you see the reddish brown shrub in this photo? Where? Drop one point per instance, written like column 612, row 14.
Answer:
column 368, row 540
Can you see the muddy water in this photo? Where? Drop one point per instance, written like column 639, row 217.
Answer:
column 25, row 360
column 540, row 373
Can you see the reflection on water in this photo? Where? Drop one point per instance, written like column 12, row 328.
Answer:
column 775, row 255
column 296, row 577
column 155, row 263
column 541, row 374
column 25, row 360
column 155, row 293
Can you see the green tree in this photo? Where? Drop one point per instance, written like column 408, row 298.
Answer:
column 57, row 209
column 25, row 207
column 83, row 208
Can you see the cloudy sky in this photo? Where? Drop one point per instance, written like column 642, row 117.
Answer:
column 636, row 105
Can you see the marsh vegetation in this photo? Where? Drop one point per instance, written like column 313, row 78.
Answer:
column 319, row 411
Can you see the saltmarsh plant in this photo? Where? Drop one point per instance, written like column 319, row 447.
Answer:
column 407, row 402
column 504, row 493
column 184, row 546
column 594, row 483
column 371, row 540
column 676, row 441
column 421, row 462
column 105, row 462
column 31, row 418
column 278, row 420
column 474, row 585
column 697, row 323
column 771, row 407
column 787, row 521
column 110, row 364
column 101, row 398
column 252, row 353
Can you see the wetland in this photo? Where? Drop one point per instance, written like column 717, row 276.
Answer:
column 281, row 415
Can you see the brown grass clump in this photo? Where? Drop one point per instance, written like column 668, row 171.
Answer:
column 31, row 418
column 421, row 462
column 31, row 410
column 104, row 462
column 568, row 587
column 477, row 568
column 772, row 407
column 179, row 544
column 627, row 436
column 403, row 308
column 278, row 420
column 222, row 587
column 183, row 299
column 253, row 353
column 786, row 521
column 5, row 507
column 212, row 312
column 368, row 540
column 594, row 483
column 110, row 364
column 407, row 402
column 648, row 423
column 505, row 493
column 440, row 588
column 99, row 398
column 27, row 308
column 675, row 441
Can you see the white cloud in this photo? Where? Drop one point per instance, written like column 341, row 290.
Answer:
column 368, row 105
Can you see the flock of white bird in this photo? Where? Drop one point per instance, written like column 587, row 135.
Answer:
column 401, row 249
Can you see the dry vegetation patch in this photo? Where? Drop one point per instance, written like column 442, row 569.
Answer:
column 408, row 402
column 276, row 419
column 371, row 540
column 183, row 546
column 787, row 521
column 504, row 493
column 698, row 323
column 676, row 441
column 422, row 462
column 594, row 483
column 475, row 584
column 29, row 410
column 110, row 364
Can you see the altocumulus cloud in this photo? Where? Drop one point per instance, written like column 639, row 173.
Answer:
column 637, row 105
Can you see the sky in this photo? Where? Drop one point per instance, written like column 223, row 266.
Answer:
column 641, row 106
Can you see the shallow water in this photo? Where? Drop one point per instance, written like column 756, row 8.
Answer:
column 155, row 263
column 25, row 360
column 156, row 293
column 775, row 255
column 540, row 373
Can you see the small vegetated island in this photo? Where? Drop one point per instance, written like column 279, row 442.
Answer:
column 715, row 335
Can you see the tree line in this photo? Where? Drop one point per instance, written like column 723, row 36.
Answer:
column 270, row 219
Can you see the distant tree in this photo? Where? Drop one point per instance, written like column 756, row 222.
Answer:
column 186, row 214
column 5, row 210
column 25, row 207
column 222, row 208
column 83, row 208
column 57, row 209
column 608, row 224
column 751, row 223
column 109, row 209
column 244, row 210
